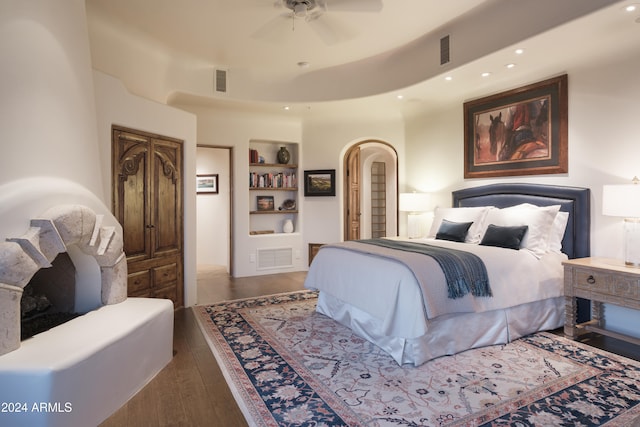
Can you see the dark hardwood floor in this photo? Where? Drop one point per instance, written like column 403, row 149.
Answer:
column 191, row 390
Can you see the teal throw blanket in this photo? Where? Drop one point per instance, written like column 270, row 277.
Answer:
column 464, row 272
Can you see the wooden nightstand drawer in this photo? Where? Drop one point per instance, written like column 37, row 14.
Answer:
column 592, row 280
column 603, row 281
column 625, row 287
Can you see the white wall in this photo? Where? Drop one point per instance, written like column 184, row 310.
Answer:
column 56, row 145
column 213, row 210
column 235, row 129
column 325, row 141
column 49, row 140
column 603, row 149
column 322, row 141
column 115, row 105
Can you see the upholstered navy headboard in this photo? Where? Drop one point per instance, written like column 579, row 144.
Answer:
column 577, row 237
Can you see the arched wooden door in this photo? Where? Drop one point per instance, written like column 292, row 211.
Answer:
column 352, row 211
column 355, row 187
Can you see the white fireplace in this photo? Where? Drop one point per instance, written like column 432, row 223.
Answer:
column 80, row 372
column 75, row 229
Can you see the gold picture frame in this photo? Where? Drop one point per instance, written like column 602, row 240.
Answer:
column 518, row 132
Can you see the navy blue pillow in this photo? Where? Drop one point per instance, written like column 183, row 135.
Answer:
column 504, row 237
column 453, row 231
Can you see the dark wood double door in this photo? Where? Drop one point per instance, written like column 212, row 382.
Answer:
column 148, row 203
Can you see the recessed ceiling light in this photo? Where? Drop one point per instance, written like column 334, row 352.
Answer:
column 448, row 78
column 512, row 65
column 519, row 51
column 400, row 96
column 485, row 74
column 286, row 108
column 631, row 8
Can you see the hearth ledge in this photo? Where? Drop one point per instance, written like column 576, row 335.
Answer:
column 90, row 366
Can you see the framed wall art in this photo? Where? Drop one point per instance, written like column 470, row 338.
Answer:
column 320, row 182
column 519, row 132
column 207, row 184
column 265, row 203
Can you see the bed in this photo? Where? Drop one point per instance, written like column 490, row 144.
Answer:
column 403, row 302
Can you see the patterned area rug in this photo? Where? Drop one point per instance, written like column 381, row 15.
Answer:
column 288, row 365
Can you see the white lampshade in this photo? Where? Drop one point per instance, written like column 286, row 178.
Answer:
column 621, row 200
column 624, row 201
column 414, row 202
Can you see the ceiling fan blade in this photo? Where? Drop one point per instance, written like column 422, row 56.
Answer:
column 330, row 29
column 354, row 5
column 275, row 30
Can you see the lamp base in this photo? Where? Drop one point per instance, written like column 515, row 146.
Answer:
column 632, row 242
column 414, row 226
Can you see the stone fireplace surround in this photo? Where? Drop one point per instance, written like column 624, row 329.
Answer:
column 59, row 227
column 83, row 370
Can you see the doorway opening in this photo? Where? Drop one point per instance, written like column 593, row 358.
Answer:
column 370, row 190
column 215, row 209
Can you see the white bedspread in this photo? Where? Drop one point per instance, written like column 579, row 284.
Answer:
column 387, row 290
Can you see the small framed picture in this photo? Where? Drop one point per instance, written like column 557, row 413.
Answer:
column 207, row 184
column 320, row 182
column 265, row 203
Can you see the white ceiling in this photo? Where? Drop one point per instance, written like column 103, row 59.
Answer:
column 377, row 56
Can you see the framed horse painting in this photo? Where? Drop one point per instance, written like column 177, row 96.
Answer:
column 519, row 132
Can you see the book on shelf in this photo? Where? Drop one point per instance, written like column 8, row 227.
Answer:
column 254, row 156
column 273, row 180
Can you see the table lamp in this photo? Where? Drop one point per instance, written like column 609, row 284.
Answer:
column 415, row 204
column 624, row 201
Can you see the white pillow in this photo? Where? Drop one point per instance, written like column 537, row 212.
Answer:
column 557, row 231
column 538, row 219
column 475, row 215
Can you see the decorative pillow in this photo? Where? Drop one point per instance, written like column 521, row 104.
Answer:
column 504, row 237
column 475, row 215
column 454, row 231
column 538, row 218
column 557, row 231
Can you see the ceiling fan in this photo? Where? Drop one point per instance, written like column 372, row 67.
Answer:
column 317, row 14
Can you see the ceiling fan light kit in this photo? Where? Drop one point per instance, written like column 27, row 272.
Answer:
column 317, row 14
column 300, row 7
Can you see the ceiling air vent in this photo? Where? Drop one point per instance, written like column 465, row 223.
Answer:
column 444, row 50
column 221, row 80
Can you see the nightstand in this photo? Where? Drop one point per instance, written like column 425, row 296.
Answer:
column 313, row 250
column 600, row 280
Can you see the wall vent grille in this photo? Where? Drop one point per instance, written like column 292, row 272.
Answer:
column 444, row 50
column 274, row 258
column 221, row 80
